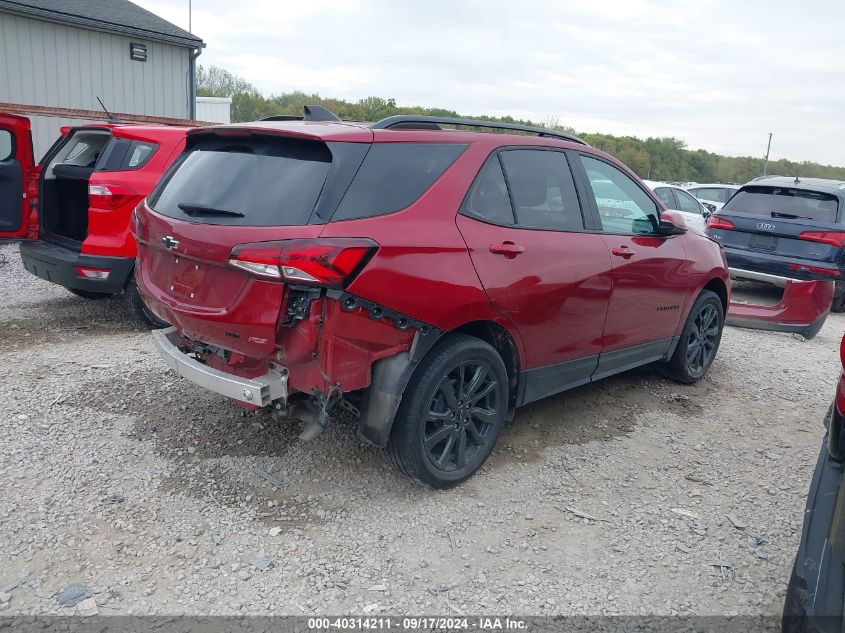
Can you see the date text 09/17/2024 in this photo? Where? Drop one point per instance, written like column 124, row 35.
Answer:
column 386, row 623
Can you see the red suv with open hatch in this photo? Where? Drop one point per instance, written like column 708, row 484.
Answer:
column 430, row 280
column 72, row 210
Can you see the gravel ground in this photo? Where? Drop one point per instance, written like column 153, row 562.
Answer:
column 160, row 497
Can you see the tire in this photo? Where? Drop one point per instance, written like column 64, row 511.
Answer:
column 436, row 406
column 794, row 608
column 696, row 349
column 838, row 304
column 136, row 301
column 87, row 294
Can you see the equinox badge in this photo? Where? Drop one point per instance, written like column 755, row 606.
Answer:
column 169, row 242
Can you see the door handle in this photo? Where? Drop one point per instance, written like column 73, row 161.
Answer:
column 623, row 251
column 508, row 249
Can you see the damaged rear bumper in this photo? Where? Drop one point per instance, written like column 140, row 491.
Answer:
column 260, row 391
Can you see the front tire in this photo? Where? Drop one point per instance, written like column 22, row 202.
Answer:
column 699, row 340
column 139, row 307
column 452, row 413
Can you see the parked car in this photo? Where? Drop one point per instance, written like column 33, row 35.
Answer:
column 72, row 210
column 785, row 228
column 430, row 280
column 715, row 195
column 675, row 198
column 815, row 597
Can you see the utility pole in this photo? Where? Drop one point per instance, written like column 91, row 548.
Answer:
column 191, row 31
column 768, row 147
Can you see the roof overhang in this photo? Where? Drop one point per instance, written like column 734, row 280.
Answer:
column 9, row 6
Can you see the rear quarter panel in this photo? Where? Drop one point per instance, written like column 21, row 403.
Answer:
column 422, row 268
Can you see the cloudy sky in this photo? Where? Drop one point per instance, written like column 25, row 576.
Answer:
column 719, row 74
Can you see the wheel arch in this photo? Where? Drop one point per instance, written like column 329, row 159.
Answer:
column 497, row 336
column 719, row 286
column 390, row 377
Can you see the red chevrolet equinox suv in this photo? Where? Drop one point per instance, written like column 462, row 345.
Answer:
column 428, row 280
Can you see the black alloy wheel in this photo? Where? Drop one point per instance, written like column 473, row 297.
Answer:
column 451, row 414
column 702, row 340
column 699, row 340
column 462, row 415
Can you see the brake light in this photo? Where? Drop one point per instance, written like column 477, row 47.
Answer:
column 814, row 269
column 109, row 197
column 716, row 222
column 825, row 237
column 331, row 262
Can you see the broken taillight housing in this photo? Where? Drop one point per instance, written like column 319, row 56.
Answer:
column 330, row 262
column 110, row 197
column 716, row 222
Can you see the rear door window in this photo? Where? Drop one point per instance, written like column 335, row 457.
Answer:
column 785, row 202
column 686, row 202
column 255, row 182
column 393, row 176
column 542, row 191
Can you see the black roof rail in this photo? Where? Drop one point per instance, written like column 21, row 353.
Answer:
column 421, row 122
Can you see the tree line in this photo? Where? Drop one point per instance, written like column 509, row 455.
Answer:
column 663, row 158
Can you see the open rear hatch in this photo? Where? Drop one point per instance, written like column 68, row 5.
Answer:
column 222, row 193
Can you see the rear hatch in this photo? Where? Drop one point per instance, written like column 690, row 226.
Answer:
column 230, row 188
column 783, row 231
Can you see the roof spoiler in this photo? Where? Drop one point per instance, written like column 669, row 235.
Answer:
column 312, row 113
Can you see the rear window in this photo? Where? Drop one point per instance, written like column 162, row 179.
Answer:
column 252, row 182
column 784, row 202
column 716, row 194
column 393, row 176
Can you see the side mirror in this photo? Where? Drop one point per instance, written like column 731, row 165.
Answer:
column 671, row 223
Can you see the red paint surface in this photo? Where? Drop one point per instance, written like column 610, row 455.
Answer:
column 561, row 296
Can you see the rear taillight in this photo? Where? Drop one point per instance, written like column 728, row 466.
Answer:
column 92, row 273
column 830, row 272
column 834, row 238
column 109, row 197
column 716, row 222
column 331, row 262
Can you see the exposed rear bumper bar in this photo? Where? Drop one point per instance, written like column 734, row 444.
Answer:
column 750, row 275
column 259, row 391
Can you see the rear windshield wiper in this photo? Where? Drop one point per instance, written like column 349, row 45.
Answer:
column 201, row 209
column 789, row 216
